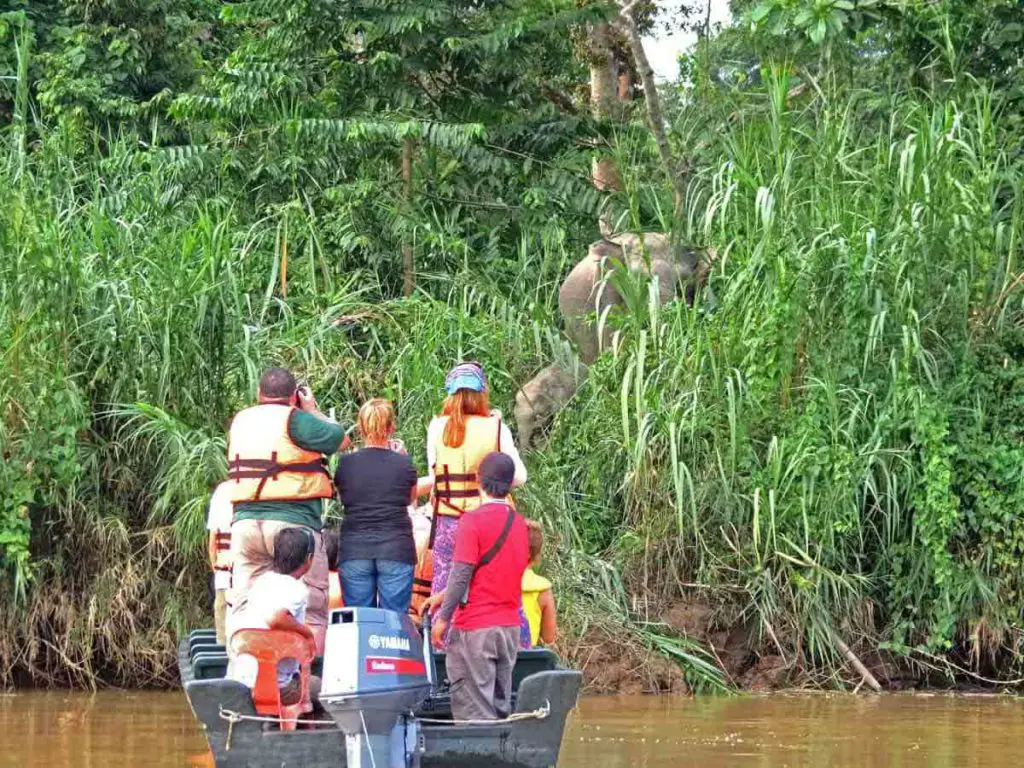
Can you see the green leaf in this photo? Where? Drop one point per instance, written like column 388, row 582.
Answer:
column 817, row 33
column 760, row 13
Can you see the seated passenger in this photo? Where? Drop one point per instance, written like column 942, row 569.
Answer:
column 277, row 600
column 538, row 599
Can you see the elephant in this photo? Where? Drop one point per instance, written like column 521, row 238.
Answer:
column 542, row 397
column 586, row 293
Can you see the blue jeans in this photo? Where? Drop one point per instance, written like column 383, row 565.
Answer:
column 377, row 584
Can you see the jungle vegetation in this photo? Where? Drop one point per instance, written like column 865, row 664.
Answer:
column 825, row 451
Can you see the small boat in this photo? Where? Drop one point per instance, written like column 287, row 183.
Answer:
column 425, row 733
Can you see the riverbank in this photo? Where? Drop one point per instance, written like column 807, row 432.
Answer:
column 615, row 663
column 617, row 657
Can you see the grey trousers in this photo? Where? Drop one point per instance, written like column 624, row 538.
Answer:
column 479, row 667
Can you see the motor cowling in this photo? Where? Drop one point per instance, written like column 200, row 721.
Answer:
column 374, row 676
column 370, row 650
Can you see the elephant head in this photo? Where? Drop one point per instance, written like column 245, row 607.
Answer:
column 586, row 292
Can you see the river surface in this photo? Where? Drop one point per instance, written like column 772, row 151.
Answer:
column 937, row 731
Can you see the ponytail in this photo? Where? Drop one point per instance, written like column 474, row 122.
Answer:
column 458, row 408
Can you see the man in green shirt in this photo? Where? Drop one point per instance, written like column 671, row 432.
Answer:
column 277, row 467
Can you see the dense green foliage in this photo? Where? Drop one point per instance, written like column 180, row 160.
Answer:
column 830, row 451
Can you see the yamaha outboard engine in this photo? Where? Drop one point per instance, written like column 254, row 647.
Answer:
column 374, row 677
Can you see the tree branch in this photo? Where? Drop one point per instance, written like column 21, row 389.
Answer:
column 655, row 114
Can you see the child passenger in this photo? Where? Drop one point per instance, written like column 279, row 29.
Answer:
column 538, row 599
column 332, row 541
column 277, row 600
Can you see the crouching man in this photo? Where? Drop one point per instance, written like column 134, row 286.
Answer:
column 277, row 600
column 492, row 550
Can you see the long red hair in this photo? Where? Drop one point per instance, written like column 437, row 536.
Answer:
column 458, row 408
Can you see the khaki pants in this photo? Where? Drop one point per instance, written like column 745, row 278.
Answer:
column 220, row 610
column 252, row 555
column 479, row 664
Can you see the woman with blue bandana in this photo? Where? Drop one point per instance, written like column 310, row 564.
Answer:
column 457, row 441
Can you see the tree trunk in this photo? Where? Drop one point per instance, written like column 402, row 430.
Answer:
column 655, row 115
column 603, row 106
column 625, row 87
column 408, row 267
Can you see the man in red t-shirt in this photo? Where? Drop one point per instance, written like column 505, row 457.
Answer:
column 492, row 549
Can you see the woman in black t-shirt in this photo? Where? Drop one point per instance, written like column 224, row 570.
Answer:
column 376, row 485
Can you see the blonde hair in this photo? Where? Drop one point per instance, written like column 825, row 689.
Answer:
column 535, row 531
column 377, row 419
column 458, row 408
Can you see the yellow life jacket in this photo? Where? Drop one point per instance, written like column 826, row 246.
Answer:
column 422, row 581
column 456, row 489
column 533, row 587
column 264, row 463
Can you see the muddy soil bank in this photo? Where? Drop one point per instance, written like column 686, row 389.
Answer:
column 613, row 661
column 617, row 663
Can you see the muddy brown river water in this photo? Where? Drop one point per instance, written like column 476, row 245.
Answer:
column 937, row 731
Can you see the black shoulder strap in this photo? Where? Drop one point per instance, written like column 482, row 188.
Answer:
column 499, row 542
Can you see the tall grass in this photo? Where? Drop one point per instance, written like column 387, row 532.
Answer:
column 825, row 453
column 793, row 453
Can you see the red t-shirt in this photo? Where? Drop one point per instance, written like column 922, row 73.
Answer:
column 495, row 593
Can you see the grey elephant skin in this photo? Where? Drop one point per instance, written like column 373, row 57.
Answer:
column 541, row 398
column 586, row 293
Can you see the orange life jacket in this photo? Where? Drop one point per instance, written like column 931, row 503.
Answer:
column 223, row 560
column 266, row 465
column 221, row 538
column 456, row 489
column 422, row 578
column 334, row 596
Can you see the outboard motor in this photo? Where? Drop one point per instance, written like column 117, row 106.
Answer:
column 374, row 677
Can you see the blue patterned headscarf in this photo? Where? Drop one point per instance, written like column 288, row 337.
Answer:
column 466, row 376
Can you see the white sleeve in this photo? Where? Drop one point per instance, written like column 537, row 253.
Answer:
column 277, row 592
column 508, row 447
column 222, row 510
column 297, row 599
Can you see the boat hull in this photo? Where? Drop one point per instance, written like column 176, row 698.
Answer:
column 527, row 743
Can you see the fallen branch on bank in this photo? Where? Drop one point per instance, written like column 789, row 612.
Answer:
column 858, row 665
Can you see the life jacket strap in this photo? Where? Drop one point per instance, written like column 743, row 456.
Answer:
column 270, row 469
column 267, row 469
column 458, row 494
column 455, row 477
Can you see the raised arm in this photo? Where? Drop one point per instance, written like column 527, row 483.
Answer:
column 548, row 618
column 508, row 447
